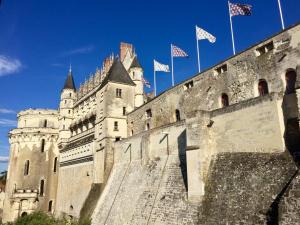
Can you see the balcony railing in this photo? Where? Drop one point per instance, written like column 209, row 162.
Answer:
column 82, row 134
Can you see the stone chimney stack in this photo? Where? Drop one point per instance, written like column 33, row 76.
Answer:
column 124, row 47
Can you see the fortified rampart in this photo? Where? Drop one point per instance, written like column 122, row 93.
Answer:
column 243, row 112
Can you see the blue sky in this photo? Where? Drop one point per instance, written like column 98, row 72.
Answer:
column 38, row 40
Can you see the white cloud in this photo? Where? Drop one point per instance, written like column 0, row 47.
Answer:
column 82, row 50
column 9, row 65
column 4, row 159
column 8, row 123
column 7, row 111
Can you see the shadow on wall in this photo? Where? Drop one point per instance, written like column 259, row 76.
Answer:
column 290, row 111
column 273, row 212
column 181, row 141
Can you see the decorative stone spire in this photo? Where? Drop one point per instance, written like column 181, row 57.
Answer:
column 69, row 83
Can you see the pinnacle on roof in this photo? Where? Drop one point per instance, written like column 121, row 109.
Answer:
column 118, row 74
column 135, row 63
column 69, row 83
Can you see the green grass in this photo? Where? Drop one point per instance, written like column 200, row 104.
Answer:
column 41, row 218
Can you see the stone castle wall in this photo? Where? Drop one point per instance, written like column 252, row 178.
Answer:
column 239, row 82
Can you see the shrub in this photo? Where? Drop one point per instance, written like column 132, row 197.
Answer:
column 41, row 218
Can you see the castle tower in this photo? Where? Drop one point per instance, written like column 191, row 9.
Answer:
column 136, row 73
column 68, row 96
column 33, row 166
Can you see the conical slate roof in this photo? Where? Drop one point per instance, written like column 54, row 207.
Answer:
column 69, row 83
column 135, row 63
column 118, row 74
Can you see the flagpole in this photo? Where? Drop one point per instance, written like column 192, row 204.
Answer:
column 232, row 36
column 198, row 54
column 154, row 78
column 172, row 65
column 281, row 16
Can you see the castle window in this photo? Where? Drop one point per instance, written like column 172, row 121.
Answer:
column 45, row 123
column 118, row 139
column 221, row 69
column 42, row 187
column 65, row 101
column 26, row 168
column 147, row 126
column 263, row 87
column 124, row 111
column 70, row 95
column 148, row 113
column 177, row 114
column 290, row 78
column 50, row 206
column 69, row 111
column 188, row 85
column 119, row 93
column 131, row 132
column 224, row 100
column 265, row 48
column 116, row 126
column 133, row 75
column 55, row 165
column 43, row 145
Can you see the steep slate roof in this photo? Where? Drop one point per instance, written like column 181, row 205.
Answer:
column 118, row 74
column 69, row 83
column 135, row 63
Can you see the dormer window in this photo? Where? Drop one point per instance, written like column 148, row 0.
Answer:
column 265, row 48
column 116, row 126
column 119, row 93
column 221, row 69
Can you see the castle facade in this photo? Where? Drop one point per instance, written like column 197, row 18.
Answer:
column 220, row 148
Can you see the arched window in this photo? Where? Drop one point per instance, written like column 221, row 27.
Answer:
column 43, row 145
column 26, row 168
column 50, row 206
column 55, row 165
column 177, row 114
column 45, row 123
column 42, row 187
column 224, row 100
column 263, row 87
column 24, row 214
column 290, row 78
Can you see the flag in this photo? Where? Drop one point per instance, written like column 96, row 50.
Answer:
column 202, row 34
column 146, row 83
column 178, row 52
column 161, row 67
column 236, row 9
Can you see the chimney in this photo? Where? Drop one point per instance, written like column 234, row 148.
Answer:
column 124, row 47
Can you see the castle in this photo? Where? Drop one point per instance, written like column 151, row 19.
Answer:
column 220, row 148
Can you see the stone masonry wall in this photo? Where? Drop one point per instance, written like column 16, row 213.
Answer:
column 242, row 187
column 148, row 185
